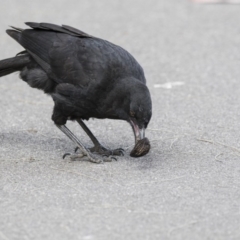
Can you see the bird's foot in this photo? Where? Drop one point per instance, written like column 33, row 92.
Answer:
column 90, row 157
column 99, row 149
column 107, row 152
column 107, row 155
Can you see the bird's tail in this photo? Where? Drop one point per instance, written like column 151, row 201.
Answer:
column 14, row 64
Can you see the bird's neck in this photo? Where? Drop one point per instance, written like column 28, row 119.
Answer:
column 117, row 101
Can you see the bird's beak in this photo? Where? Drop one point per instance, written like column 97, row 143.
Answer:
column 139, row 133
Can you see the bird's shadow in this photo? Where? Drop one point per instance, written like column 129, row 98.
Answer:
column 33, row 141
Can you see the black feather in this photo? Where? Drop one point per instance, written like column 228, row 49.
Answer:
column 76, row 31
column 35, row 25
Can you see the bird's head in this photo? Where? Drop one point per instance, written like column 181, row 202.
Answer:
column 132, row 102
column 140, row 111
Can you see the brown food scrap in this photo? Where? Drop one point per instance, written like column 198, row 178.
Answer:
column 141, row 148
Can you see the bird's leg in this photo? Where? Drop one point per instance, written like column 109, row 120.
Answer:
column 85, row 151
column 98, row 148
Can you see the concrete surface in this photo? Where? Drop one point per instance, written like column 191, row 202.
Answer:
column 188, row 187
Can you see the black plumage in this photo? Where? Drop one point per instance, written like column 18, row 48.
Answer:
column 86, row 77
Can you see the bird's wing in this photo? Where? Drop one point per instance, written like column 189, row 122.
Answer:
column 55, row 49
column 71, row 56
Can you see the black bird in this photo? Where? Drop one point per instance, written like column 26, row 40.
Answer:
column 87, row 77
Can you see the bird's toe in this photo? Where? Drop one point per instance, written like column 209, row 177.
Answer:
column 73, row 157
column 107, row 152
column 90, row 157
column 109, row 158
column 118, row 152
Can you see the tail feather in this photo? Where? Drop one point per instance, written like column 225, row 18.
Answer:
column 7, row 71
column 14, row 34
column 14, row 64
column 16, row 28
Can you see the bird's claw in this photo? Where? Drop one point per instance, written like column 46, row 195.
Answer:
column 118, row 152
column 76, row 148
column 66, row 154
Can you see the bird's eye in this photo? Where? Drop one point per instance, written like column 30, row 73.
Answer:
column 132, row 114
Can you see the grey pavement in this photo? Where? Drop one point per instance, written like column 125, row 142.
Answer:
column 187, row 187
